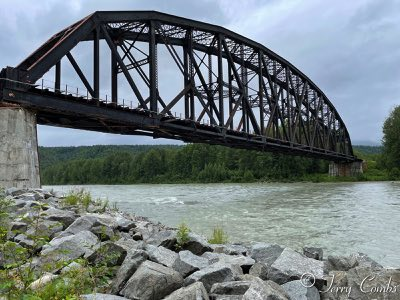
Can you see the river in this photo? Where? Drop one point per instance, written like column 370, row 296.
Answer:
column 340, row 217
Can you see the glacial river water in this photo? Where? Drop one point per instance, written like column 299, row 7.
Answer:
column 340, row 217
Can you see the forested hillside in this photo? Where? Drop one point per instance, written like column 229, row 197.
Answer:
column 156, row 164
column 173, row 164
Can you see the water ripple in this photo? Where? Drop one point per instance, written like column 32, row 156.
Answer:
column 340, row 217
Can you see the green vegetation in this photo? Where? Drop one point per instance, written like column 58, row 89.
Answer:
column 193, row 163
column 391, row 144
column 219, row 236
column 18, row 269
column 182, row 236
column 80, row 197
column 83, row 199
column 171, row 164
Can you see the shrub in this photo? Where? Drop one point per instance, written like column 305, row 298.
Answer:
column 182, row 236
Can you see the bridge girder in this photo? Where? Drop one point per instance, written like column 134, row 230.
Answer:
column 245, row 90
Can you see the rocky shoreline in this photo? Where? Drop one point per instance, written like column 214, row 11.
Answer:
column 144, row 260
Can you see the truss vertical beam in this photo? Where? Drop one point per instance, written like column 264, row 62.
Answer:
column 186, row 81
column 220, row 82
column 153, row 67
column 96, row 63
column 231, row 97
column 114, row 79
column 191, row 73
column 57, row 84
column 260, row 91
column 124, row 69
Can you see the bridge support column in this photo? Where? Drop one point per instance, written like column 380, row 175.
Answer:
column 346, row 169
column 19, row 161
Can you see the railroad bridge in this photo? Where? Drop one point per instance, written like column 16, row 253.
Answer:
column 154, row 74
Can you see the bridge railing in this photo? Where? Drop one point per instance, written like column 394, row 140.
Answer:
column 82, row 93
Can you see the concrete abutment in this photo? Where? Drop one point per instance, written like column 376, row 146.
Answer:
column 19, row 161
column 347, row 168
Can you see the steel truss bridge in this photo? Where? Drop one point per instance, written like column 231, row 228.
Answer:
column 232, row 91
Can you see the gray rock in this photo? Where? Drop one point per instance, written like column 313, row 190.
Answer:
column 70, row 247
column 231, row 249
column 124, row 224
column 165, row 238
column 291, row 265
column 230, row 288
column 65, row 217
column 345, row 263
column 265, row 290
column 244, row 262
column 15, row 191
column 45, row 228
column 130, row 245
column 74, row 266
column 313, row 252
column 210, row 275
column 18, row 227
column 129, row 266
column 137, row 236
column 382, row 281
column 109, row 254
column 296, row 290
column 197, row 244
column 246, row 277
column 17, row 203
column 227, row 297
column 44, row 279
column 152, row 281
column 162, row 255
column 103, row 232
column 33, row 197
column 26, row 242
column 189, row 263
column 363, row 260
column 335, row 279
column 51, row 201
column 98, row 296
column 363, row 283
column 340, row 263
column 86, row 222
column 29, row 204
column 265, row 253
column 195, row 291
column 259, row 270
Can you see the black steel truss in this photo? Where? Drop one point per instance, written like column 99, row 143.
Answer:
column 252, row 97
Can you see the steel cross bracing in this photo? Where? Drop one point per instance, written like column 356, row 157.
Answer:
column 233, row 91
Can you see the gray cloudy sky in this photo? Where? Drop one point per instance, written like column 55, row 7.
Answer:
column 350, row 49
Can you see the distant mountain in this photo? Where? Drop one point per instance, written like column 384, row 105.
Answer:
column 366, row 143
column 368, row 149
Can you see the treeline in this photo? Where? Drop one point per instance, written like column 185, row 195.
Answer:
column 170, row 164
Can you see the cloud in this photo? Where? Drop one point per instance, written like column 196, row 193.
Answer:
column 350, row 49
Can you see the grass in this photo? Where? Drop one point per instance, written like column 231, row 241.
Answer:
column 219, row 236
column 79, row 197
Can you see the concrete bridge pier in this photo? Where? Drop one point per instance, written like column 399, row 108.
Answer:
column 19, row 161
column 346, row 168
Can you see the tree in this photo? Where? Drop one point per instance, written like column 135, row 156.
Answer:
column 391, row 141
